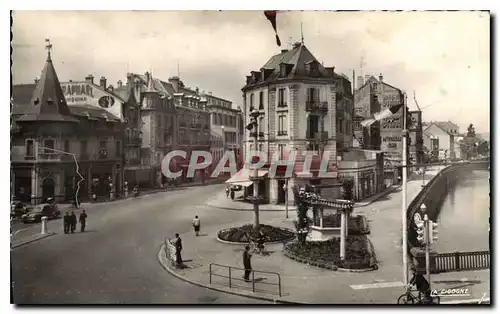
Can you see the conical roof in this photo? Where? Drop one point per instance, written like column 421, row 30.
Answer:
column 48, row 103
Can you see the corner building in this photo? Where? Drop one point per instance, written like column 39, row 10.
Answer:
column 304, row 107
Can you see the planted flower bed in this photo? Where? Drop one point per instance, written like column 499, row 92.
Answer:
column 359, row 254
column 239, row 234
column 357, row 225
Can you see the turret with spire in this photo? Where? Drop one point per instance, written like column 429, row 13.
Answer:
column 151, row 95
column 48, row 103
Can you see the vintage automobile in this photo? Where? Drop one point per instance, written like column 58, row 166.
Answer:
column 49, row 210
column 17, row 209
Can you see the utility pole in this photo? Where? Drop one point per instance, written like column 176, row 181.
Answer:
column 255, row 177
column 286, row 197
column 403, row 204
column 427, row 246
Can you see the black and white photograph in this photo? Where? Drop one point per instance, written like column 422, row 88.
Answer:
column 250, row 157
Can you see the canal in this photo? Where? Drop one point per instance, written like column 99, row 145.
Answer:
column 463, row 221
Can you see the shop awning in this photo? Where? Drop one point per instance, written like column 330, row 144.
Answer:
column 242, row 177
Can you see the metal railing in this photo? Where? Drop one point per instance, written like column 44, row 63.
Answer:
column 460, row 261
column 231, row 277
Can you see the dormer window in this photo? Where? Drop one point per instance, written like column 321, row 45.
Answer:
column 283, row 70
column 312, row 68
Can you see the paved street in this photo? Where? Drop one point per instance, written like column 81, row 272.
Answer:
column 116, row 260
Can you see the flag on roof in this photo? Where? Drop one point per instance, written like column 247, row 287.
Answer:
column 271, row 16
column 386, row 113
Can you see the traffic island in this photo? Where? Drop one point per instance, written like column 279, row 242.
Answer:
column 356, row 225
column 240, row 235
column 360, row 255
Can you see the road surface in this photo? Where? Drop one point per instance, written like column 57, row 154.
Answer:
column 115, row 261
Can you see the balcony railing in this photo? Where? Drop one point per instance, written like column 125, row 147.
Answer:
column 133, row 161
column 316, row 106
column 282, row 133
column 282, row 104
column 256, row 134
column 49, row 156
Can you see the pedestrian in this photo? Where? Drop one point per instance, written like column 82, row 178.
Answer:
column 73, row 222
column 247, row 263
column 232, row 194
column 196, row 225
column 66, row 222
column 83, row 220
column 227, row 192
column 178, row 249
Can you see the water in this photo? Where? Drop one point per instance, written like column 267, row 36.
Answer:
column 463, row 221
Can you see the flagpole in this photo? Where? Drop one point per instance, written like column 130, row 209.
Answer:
column 403, row 205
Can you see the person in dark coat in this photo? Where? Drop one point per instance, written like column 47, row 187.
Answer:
column 83, row 220
column 178, row 249
column 66, row 222
column 73, row 222
column 247, row 263
column 227, row 192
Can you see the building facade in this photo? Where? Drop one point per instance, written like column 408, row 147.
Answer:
column 225, row 122
column 193, row 119
column 416, row 140
column 305, row 108
column 442, row 133
column 374, row 96
column 48, row 135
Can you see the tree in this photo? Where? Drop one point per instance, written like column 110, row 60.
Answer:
column 471, row 131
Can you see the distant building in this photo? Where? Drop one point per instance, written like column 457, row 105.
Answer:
column 371, row 97
column 46, row 134
column 151, row 131
column 225, row 123
column 416, row 140
column 444, row 133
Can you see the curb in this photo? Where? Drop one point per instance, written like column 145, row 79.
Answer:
column 40, row 237
column 389, row 190
column 183, row 278
column 290, row 208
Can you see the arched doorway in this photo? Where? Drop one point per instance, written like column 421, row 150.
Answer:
column 48, row 188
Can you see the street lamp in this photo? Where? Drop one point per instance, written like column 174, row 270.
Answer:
column 253, row 125
column 403, row 204
column 76, row 170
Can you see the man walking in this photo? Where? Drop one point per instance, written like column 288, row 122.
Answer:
column 66, row 222
column 227, row 192
column 178, row 249
column 83, row 220
column 196, row 225
column 247, row 263
column 73, row 222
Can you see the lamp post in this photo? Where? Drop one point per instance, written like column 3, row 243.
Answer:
column 76, row 170
column 403, row 204
column 254, row 114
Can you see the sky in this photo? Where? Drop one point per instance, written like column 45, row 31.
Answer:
column 443, row 56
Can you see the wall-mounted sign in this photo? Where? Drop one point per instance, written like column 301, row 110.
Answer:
column 106, row 101
column 77, row 89
column 390, row 100
column 394, row 122
column 392, row 138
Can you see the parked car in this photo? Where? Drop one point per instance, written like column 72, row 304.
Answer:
column 51, row 211
column 17, row 209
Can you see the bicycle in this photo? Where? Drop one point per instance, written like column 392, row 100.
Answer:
column 409, row 298
column 255, row 248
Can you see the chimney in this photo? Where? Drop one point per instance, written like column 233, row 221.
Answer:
column 174, row 80
column 37, row 79
column 361, row 82
column 119, row 84
column 89, row 79
column 381, row 78
column 103, row 82
column 197, row 90
column 367, row 77
column 111, row 88
column 284, row 50
column 210, row 93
